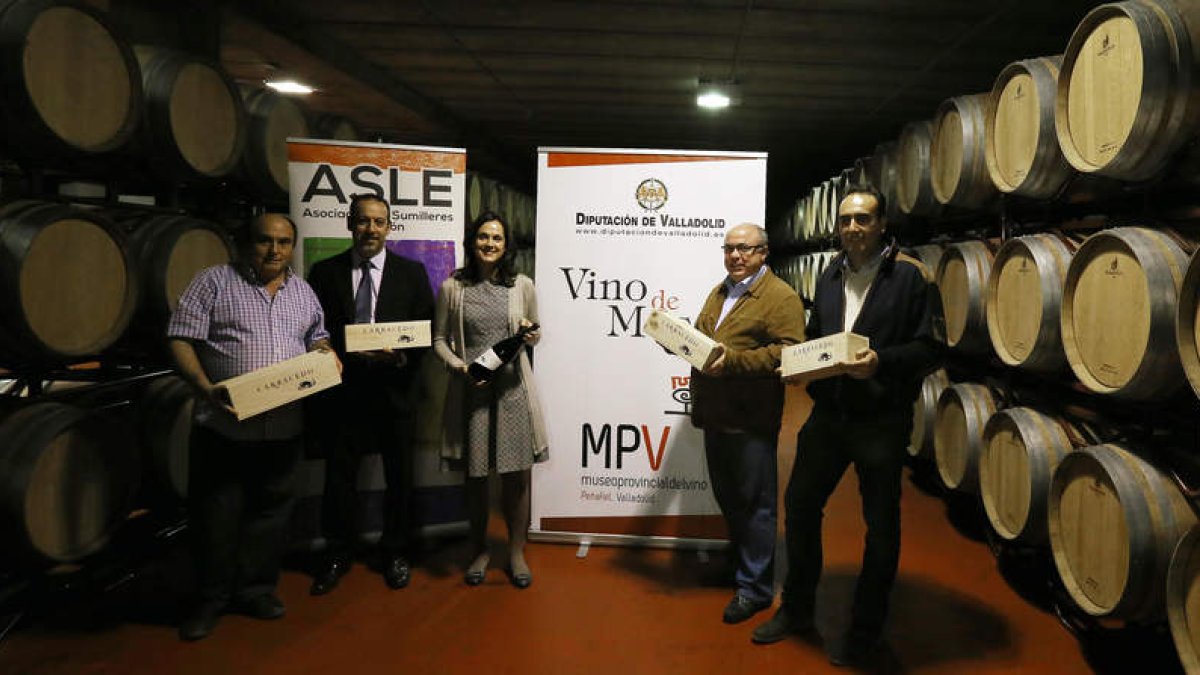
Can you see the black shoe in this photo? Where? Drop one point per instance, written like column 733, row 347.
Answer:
column 396, row 572
column 521, row 580
column 855, row 650
column 264, row 607
column 741, row 608
column 785, row 623
column 327, row 578
column 201, row 622
column 474, row 577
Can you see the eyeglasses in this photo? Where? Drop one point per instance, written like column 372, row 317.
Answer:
column 863, row 219
column 365, row 221
column 744, row 249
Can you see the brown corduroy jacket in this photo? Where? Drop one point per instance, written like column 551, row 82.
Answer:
column 748, row 394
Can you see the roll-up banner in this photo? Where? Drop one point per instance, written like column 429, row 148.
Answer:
column 620, row 233
column 425, row 189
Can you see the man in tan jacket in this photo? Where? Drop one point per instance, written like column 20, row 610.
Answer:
column 738, row 401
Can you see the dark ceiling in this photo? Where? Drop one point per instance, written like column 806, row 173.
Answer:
column 821, row 81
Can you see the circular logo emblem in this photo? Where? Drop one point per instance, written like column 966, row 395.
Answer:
column 651, row 194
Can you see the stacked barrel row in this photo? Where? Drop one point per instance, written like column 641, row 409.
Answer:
column 1120, row 105
column 78, row 97
column 1111, row 516
column 73, row 470
column 73, row 281
column 1117, row 309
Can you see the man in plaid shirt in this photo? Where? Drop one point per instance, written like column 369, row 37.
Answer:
column 233, row 319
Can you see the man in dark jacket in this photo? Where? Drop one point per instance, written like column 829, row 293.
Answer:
column 861, row 417
column 373, row 409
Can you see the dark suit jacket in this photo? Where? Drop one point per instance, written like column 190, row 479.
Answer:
column 404, row 295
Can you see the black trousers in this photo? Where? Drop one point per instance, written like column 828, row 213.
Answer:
column 362, row 429
column 826, row 446
column 240, row 497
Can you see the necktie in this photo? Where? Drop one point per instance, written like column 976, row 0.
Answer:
column 362, row 297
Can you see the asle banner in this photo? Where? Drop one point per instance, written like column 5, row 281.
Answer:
column 622, row 232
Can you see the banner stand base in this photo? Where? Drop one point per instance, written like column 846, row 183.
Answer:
column 586, row 540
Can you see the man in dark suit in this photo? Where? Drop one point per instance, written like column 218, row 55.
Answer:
column 374, row 409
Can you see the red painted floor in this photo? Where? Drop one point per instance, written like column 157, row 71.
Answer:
column 615, row 611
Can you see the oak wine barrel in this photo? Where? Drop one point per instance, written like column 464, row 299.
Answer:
column 962, row 277
column 66, row 483
column 1183, row 599
column 194, row 125
column 166, row 426
column 920, row 441
column 930, row 255
column 957, row 167
column 962, row 411
column 169, row 251
column 68, row 286
column 1187, row 323
column 272, row 120
column 1126, row 98
column 1118, row 313
column 70, row 85
column 1024, row 302
column 914, row 187
column 1022, row 150
column 335, row 128
column 1114, row 520
column 1021, row 449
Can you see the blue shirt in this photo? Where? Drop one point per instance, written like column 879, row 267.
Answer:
column 735, row 290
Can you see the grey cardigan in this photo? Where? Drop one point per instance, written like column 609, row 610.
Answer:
column 448, row 344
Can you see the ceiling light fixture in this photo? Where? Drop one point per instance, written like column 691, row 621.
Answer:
column 715, row 94
column 290, row 87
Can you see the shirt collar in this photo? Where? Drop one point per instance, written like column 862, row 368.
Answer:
column 252, row 276
column 376, row 260
column 744, row 285
column 869, row 268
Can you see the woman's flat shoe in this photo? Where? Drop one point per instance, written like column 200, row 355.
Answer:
column 474, row 577
column 522, row 580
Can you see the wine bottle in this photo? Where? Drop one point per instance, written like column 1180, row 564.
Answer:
column 484, row 368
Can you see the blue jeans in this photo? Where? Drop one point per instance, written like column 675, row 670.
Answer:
column 741, row 467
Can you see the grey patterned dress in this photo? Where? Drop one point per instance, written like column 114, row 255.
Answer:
column 499, row 432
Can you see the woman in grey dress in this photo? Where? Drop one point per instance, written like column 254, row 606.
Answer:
column 498, row 426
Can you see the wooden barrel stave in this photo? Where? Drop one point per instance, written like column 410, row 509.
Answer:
column 272, row 119
column 1187, row 323
column 962, row 411
column 914, row 187
column 1021, row 449
column 193, row 122
column 1023, row 309
column 169, row 251
column 67, row 282
column 1114, row 520
column 1022, row 150
column 1126, row 101
column 1183, row 599
column 67, row 483
column 962, row 278
column 1118, row 313
column 85, row 92
column 166, row 425
column 957, row 164
column 920, row 441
